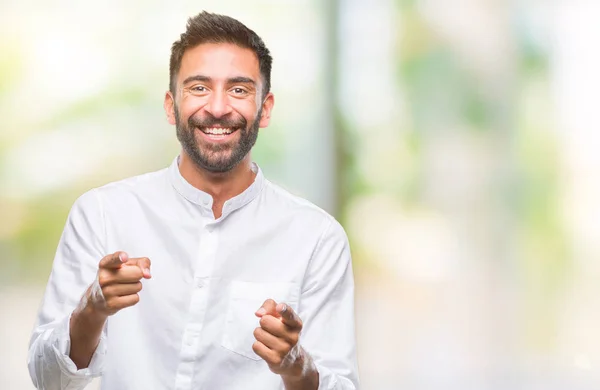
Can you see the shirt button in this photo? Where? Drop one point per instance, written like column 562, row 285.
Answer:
column 200, row 283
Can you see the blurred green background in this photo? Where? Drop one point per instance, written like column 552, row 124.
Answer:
column 455, row 140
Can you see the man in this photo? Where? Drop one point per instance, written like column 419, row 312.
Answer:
column 204, row 275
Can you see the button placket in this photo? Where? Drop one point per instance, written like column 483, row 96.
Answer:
column 200, row 283
column 190, row 350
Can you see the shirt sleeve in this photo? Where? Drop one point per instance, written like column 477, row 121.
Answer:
column 327, row 311
column 74, row 268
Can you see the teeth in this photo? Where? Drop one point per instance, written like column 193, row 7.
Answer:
column 218, row 130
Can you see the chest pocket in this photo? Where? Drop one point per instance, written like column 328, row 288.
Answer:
column 245, row 298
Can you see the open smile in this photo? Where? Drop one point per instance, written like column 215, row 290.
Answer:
column 217, row 133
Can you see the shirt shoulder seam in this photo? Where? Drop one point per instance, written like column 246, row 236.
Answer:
column 297, row 200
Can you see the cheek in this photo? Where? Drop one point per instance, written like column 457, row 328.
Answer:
column 189, row 106
column 251, row 116
column 246, row 108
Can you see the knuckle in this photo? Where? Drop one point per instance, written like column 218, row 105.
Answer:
column 104, row 260
column 256, row 332
column 111, row 305
column 135, row 299
column 138, row 286
column 107, row 292
column 276, row 359
column 283, row 348
column 103, row 279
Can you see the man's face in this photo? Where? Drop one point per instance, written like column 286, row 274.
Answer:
column 217, row 108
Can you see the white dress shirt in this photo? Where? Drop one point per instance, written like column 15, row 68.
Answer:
column 193, row 326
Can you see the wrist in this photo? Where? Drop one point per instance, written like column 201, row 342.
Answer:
column 88, row 311
column 92, row 315
column 302, row 375
column 86, row 318
column 85, row 329
column 300, row 365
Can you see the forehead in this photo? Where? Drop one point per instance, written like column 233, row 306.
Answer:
column 219, row 61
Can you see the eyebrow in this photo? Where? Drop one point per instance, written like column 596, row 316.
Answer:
column 232, row 80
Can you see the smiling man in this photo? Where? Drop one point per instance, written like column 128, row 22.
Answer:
column 203, row 275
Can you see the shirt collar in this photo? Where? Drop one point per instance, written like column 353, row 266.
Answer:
column 205, row 200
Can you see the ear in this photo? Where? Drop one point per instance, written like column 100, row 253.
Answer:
column 169, row 105
column 267, row 107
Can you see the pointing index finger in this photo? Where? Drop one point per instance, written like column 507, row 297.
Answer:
column 268, row 307
column 288, row 316
column 114, row 261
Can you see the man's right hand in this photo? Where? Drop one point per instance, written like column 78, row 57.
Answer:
column 116, row 287
column 118, row 283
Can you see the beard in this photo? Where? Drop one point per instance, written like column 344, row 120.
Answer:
column 216, row 157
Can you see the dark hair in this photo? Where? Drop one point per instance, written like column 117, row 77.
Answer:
column 213, row 28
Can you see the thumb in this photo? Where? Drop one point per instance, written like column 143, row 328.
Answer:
column 114, row 261
column 289, row 316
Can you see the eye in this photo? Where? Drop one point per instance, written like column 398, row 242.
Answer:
column 198, row 88
column 239, row 91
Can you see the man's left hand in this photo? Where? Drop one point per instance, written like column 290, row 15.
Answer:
column 277, row 339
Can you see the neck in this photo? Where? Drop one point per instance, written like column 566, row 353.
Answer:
column 221, row 186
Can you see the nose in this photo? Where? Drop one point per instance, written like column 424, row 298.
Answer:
column 218, row 105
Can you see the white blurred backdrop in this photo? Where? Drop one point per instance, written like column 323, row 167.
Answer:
column 455, row 140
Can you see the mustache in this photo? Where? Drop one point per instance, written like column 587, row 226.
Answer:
column 211, row 121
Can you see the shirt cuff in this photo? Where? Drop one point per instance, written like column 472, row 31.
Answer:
column 62, row 348
column 327, row 380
